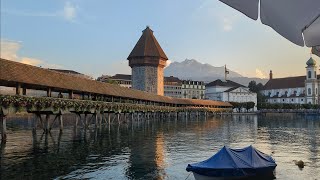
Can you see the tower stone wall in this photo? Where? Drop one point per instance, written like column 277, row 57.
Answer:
column 148, row 78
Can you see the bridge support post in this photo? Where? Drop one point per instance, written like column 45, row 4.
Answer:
column 3, row 124
column 77, row 120
column 47, row 125
column 95, row 120
column 132, row 117
column 85, row 121
column 60, row 122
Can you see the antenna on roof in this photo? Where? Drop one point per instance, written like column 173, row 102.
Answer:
column 226, row 71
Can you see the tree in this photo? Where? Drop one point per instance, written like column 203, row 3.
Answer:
column 111, row 81
column 249, row 105
column 252, row 86
column 257, row 88
column 235, row 105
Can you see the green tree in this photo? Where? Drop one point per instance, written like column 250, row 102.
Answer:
column 252, row 86
column 257, row 88
column 249, row 105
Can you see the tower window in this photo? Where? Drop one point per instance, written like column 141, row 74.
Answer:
column 309, row 74
column 309, row 91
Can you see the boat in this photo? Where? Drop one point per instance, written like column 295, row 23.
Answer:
column 246, row 163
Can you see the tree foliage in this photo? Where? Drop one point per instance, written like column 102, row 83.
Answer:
column 239, row 105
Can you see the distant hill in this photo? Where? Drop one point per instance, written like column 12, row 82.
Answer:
column 194, row 70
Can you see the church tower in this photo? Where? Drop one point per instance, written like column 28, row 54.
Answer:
column 311, row 82
column 147, row 61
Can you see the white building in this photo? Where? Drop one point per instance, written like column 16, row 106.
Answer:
column 295, row 90
column 193, row 89
column 230, row 91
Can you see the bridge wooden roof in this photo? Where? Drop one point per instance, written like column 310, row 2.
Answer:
column 33, row 77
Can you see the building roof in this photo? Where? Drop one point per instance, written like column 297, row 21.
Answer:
column 227, row 83
column 122, row 77
column 32, row 77
column 231, row 89
column 147, row 46
column 172, row 79
column 285, row 83
column 67, row 71
column 311, row 62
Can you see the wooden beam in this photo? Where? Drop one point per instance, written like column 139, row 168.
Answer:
column 49, row 92
column 18, row 89
column 24, row 91
column 3, row 124
column 70, row 94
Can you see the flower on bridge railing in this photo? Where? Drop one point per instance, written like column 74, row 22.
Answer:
column 40, row 103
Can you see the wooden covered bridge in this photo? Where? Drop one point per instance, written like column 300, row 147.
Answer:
column 82, row 96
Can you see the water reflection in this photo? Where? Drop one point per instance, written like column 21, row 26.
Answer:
column 158, row 149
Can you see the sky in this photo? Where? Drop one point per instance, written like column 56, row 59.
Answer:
column 95, row 37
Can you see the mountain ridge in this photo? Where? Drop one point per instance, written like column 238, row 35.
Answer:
column 191, row 69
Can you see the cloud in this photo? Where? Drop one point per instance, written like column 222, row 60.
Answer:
column 69, row 11
column 261, row 74
column 32, row 14
column 209, row 12
column 227, row 23
column 168, row 63
column 9, row 50
column 31, row 61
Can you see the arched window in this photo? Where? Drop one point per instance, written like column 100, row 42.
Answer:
column 309, row 91
column 316, row 90
column 309, row 74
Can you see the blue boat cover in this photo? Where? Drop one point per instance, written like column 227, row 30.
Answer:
column 235, row 163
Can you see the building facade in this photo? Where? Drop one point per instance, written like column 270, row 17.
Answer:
column 230, row 91
column 193, row 89
column 147, row 61
column 294, row 90
column 172, row 87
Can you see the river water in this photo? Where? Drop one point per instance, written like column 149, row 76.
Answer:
column 158, row 149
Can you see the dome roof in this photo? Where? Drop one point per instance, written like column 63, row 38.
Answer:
column 311, row 62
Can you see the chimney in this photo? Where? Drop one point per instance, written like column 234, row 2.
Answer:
column 270, row 75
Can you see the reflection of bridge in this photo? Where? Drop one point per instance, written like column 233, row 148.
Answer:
column 86, row 97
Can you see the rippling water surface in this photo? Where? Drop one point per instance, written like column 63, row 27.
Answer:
column 157, row 149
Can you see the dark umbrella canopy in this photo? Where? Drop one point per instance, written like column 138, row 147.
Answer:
column 234, row 163
column 296, row 20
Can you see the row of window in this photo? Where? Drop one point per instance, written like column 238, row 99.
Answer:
column 171, row 92
column 171, row 87
column 309, row 91
column 193, row 86
column 292, row 100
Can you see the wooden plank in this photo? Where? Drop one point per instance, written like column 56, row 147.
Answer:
column 3, row 124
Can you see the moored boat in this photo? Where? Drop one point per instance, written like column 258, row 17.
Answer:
column 235, row 164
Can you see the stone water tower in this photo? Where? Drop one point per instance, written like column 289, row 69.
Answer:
column 147, row 61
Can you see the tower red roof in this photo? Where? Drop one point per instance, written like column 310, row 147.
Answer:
column 147, row 46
